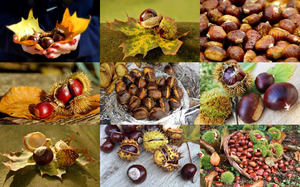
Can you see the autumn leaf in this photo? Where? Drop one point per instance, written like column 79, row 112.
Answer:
column 297, row 156
column 259, row 183
column 52, row 169
column 270, row 161
column 19, row 160
column 209, row 178
column 215, row 159
column 19, row 102
column 141, row 40
column 84, row 157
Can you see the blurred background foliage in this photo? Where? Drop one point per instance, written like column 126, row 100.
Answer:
column 180, row 10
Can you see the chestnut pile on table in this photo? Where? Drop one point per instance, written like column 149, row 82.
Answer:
column 277, row 96
column 253, row 163
column 47, row 38
column 249, row 31
column 146, row 97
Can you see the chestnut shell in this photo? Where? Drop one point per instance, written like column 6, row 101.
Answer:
column 281, row 95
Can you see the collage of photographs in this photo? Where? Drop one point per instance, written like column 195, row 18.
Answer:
column 123, row 93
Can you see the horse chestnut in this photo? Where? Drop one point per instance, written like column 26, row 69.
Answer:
column 250, row 107
column 263, row 81
column 129, row 128
column 281, row 95
column 116, row 137
column 188, row 171
column 43, row 155
column 75, row 87
column 46, row 42
column 107, row 145
column 43, row 110
column 148, row 13
column 111, row 128
column 137, row 173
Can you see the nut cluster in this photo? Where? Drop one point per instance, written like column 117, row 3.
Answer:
column 249, row 31
column 146, row 96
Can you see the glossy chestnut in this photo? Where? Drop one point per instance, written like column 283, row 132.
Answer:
column 263, row 81
column 250, row 107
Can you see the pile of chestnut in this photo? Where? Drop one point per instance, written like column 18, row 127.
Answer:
column 277, row 96
column 148, row 97
column 253, row 163
column 46, row 39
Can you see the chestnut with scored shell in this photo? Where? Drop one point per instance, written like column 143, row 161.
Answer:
column 250, row 107
column 156, row 113
column 281, row 95
column 140, row 113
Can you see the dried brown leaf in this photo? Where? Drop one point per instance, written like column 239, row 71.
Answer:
column 259, row 183
column 235, row 158
column 297, row 156
column 224, row 135
column 270, row 161
column 209, row 178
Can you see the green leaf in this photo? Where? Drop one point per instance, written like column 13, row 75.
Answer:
column 191, row 132
column 248, row 66
column 19, row 160
column 52, row 169
column 282, row 72
column 141, row 40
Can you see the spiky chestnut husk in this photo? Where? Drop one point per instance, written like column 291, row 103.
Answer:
column 203, row 151
column 205, row 162
column 66, row 157
column 232, row 78
column 250, row 127
column 277, row 149
column 262, row 148
column 215, row 107
column 153, row 140
column 211, row 136
column 227, row 177
column 167, row 158
column 274, row 133
column 263, row 139
column 128, row 155
column 167, row 28
column 173, row 131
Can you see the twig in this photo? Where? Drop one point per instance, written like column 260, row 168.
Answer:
column 286, row 157
column 189, row 151
column 207, row 146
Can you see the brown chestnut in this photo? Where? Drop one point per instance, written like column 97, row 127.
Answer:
column 171, row 82
column 168, row 69
column 137, row 173
column 140, row 113
column 129, row 128
column 150, row 77
column 136, row 73
column 166, row 92
column 161, row 81
column 137, row 136
column 142, row 93
column 147, row 69
column 281, row 95
column 156, row 113
column 178, row 93
column 111, row 128
column 120, row 86
column 263, row 81
column 154, row 94
column 250, row 107
column 151, row 86
column 132, row 89
column 148, row 103
column 123, row 97
column 106, row 145
column 140, row 83
column 134, row 102
column 58, row 37
column 174, row 103
column 46, row 42
column 116, row 137
column 164, row 104
column 43, row 155
column 128, row 79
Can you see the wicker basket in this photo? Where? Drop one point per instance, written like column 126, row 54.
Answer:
column 231, row 161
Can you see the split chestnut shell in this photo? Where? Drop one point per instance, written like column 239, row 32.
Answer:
column 281, row 95
column 34, row 140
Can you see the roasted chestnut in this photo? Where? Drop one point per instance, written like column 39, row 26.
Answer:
column 166, row 92
column 151, row 86
column 174, row 103
column 164, row 105
column 148, row 103
column 154, row 94
column 123, row 97
column 168, row 69
column 150, row 77
column 178, row 93
column 281, row 95
column 142, row 93
column 137, row 173
column 263, row 81
column 140, row 113
column 148, row 69
column 250, row 107
column 136, row 73
column 156, row 113
column 171, row 82
column 128, row 79
column 132, row 90
column 134, row 102
column 120, row 86
column 140, row 83
column 161, row 81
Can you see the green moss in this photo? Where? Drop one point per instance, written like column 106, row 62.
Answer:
column 248, row 127
column 205, row 162
column 274, row 133
column 208, row 137
column 278, row 149
column 262, row 148
column 227, row 177
column 279, row 127
column 258, row 141
column 203, row 151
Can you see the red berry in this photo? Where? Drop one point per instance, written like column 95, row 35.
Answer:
column 43, row 110
column 75, row 87
column 294, row 141
column 63, row 94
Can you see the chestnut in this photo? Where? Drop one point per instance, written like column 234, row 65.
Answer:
column 137, row 136
column 188, row 171
column 58, row 37
column 128, row 79
column 151, row 86
column 107, row 145
column 123, row 97
column 33, row 37
column 140, row 83
column 281, row 95
column 43, row 155
column 161, row 81
column 111, row 128
column 148, row 103
column 152, row 127
column 46, row 42
column 171, row 82
column 116, row 137
column 164, row 104
column 148, row 69
column 120, row 86
column 150, row 77
column 263, row 81
column 43, row 110
column 250, row 107
column 174, row 103
column 134, row 102
column 168, row 69
column 166, row 92
column 132, row 90
column 178, row 93
column 154, row 94
column 140, row 113
column 142, row 93
column 136, row 73
column 129, row 128
column 137, row 173
column 156, row 113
